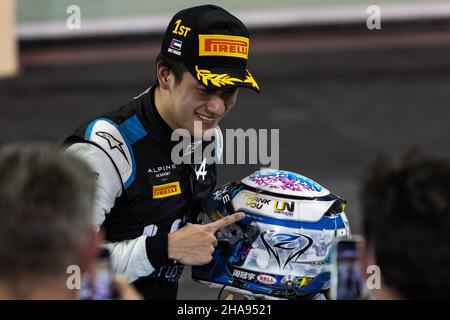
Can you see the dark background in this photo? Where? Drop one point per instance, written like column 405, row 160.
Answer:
column 338, row 97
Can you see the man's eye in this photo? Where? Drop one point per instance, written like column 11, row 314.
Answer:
column 204, row 91
column 229, row 93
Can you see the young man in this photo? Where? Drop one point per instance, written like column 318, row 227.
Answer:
column 144, row 197
column 406, row 220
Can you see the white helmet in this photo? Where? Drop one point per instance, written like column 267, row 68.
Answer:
column 282, row 248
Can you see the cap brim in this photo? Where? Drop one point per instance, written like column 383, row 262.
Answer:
column 216, row 78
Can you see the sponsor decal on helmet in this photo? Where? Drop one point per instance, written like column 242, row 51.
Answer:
column 284, row 207
column 244, row 275
column 255, row 202
column 222, row 194
column 302, row 282
column 266, row 279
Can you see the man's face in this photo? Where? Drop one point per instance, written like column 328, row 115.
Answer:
column 194, row 107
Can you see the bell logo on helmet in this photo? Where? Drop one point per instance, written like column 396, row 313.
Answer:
column 266, row 279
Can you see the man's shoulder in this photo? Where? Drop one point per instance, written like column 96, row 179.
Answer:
column 115, row 132
column 117, row 138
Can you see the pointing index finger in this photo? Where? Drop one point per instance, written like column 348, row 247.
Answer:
column 226, row 221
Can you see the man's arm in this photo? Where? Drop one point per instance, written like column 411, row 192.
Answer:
column 135, row 258
column 127, row 257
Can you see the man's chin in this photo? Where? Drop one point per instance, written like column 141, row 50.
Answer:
column 208, row 133
column 200, row 131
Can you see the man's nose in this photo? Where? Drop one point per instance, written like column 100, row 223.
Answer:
column 216, row 105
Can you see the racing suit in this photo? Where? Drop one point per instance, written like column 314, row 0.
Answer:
column 141, row 194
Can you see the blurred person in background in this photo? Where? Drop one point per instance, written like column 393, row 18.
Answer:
column 46, row 200
column 406, row 224
column 144, row 199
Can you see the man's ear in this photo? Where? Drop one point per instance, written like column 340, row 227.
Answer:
column 91, row 249
column 163, row 76
column 366, row 256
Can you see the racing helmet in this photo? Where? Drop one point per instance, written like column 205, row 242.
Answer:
column 282, row 247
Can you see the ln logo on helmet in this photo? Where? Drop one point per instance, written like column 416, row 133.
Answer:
column 266, row 279
column 283, row 207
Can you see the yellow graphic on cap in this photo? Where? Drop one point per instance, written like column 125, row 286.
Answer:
column 249, row 79
column 223, row 46
column 166, row 190
column 222, row 79
column 180, row 29
column 217, row 80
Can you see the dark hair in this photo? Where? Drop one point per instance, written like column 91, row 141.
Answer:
column 406, row 220
column 46, row 200
column 176, row 67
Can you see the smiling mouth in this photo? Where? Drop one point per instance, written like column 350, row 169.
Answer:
column 205, row 118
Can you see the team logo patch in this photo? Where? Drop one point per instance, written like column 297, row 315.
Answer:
column 106, row 134
column 175, row 46
column 162, row 170
column 221, row 45
column 113, row 142
column 166, row 190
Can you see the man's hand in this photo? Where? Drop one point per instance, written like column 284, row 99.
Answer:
column 125, row 290
column 194, row 244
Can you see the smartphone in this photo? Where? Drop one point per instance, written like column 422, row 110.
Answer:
column 347, row 281
column 97, row 282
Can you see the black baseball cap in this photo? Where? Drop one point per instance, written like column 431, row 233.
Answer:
column 212, row 44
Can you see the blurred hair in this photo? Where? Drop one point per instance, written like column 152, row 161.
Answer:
column 46, row 200
column 406, row 220
column 176, row 67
